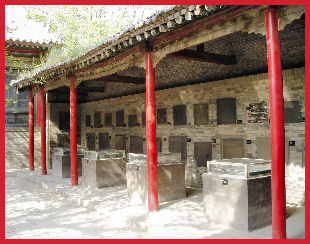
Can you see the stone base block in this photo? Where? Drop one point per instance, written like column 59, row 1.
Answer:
column 62, row 165
column 239, row 203
column 171, row 182
column 104, row 172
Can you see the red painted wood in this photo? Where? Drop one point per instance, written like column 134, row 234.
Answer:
column 73, row 142
column 43, row 132
column 117, row 78
column 31, row 132
column 189, row 29
column 36, row 45
column 23, row 50
column 276, row 125
column 115, row 59
column 151, row 134
column 39, row 105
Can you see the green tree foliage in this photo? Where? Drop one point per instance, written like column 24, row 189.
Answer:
column 9, row 101
column 79, row 27
column 9, row 29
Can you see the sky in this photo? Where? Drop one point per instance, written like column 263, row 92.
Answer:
column 29, row 30
column 15, row 15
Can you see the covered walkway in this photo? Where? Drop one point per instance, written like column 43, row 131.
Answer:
column 231, row 113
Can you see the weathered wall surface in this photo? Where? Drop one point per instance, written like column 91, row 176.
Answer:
column 17, row 147
column 250, row 126
column 59, row 135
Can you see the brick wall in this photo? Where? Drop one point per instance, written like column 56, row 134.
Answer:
column 17, row 147
column 252, row 112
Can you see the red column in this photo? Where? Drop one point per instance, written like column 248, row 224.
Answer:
column 151, row 134
column 31, row 132
column 73, row 143
column 43, row 132
column 39, row 105
column 276, row 125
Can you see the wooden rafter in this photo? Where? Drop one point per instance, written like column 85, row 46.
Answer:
column 80, row 90
column 121, row 79
column 36, row 45
column 22, row 50
column 201, row 56
column 299, row 22
column 90, row 89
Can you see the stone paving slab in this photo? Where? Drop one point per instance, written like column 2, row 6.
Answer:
column 183, row 218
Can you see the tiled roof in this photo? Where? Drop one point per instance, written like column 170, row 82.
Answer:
column 30, row 43
column 161, row 22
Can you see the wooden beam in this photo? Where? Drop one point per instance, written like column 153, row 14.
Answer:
column 146, row 47
column 201, row 56
column 124, row 79
column 90, row 89
column 121, row 79
column 36, row 45
column 114, row 59
column 80, row 90
column 60, row 90
column 201, row 48
column 299, row 22
column 22, row 50
column 67, row 92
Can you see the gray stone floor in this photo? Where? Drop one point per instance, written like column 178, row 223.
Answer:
column 40, row 206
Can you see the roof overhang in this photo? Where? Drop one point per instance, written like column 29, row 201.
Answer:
column 166, row 29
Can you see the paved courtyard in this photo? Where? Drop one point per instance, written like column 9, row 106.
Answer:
column 45, row 207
